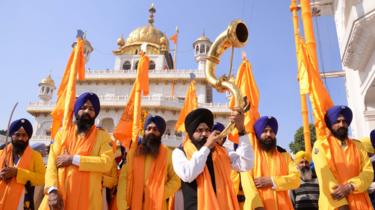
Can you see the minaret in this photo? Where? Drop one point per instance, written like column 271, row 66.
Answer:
column 46, row 88
column 88, row 49
column 201, row 47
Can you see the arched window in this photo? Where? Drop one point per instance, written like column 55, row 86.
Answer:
column 207, row 49
column 203, row 49
column 47, row 91
column 126, row 65
column 42, row 89
column 196, row 49
column 152, row 65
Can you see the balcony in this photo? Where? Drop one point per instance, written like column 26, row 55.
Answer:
column 118, row 75
column 166, row 102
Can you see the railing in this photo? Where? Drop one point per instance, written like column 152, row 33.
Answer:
column 121, row 74
column 162, row 101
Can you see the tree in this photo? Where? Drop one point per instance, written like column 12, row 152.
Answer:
column 299, row 141
column 3, row 132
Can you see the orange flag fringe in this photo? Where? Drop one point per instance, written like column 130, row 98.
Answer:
column 249, row 90
column 310, row 78
column 129, row 126
column 191, row 103
column 63, row 112
column 174, row 38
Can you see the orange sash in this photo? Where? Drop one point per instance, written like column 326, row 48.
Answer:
column 149, row 195
column 11, row 193
column 345, row 164
column 273, row 164
column 74, row 184
column 225, row 197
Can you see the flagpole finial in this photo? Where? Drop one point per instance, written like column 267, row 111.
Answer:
column 152, row 11
column 80, row 34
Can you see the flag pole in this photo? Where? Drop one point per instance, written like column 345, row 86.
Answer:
column 304, row 109
column 175, row 49
column 308, row 30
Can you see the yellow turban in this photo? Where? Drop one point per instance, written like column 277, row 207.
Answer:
column 302, row 155
column 366, row 143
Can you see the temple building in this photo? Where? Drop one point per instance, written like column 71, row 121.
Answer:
column 168, row 85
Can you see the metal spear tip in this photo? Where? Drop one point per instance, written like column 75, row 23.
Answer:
column 80, row 33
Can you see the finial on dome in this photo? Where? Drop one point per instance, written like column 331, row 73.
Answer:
column 152, row 10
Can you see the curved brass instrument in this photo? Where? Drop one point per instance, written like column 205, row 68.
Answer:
column 234, row 36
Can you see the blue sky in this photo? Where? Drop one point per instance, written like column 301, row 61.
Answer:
column 36, row 38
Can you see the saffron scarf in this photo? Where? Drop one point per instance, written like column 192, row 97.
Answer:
column 270, row 164
column 345, row 163
column 149, row 195
column 10, row 193
column 225, row 197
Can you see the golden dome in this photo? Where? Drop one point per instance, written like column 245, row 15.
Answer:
column 148, row 34
column 47, row 81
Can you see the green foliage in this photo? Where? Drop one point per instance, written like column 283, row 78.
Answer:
column 299, row 143
column 3, row 132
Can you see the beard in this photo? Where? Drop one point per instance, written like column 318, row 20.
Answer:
column 19, row 146
column 84, row 123
column 341, row 133
column 150, row 144
column 200, row 142
column 268, row 144
column 306, row 173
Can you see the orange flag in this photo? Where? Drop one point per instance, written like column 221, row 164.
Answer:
column 129, row 126
column 63, row 112
column 191, row 103
column 249, row 90
column 312, row 83
column 174, row 38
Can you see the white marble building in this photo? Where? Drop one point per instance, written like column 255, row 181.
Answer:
column 355, row 25
column 167, row 85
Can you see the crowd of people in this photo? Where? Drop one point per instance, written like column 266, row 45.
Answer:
column 87, row 169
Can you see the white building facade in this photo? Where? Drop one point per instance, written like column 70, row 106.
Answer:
column 355, row 25
column 167, row 85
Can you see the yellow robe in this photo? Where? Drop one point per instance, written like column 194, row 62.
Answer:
column 172, row 183
column 98, row 163
column 328, row 181
column 283, row 183
column 36, row 174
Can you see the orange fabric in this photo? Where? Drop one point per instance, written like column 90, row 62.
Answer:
column 319, row 96
column 10, row 193
column 248, row 87
column 129, row 125
column 346, row 160
column 66, row 95
column 303, row 78
column 190, row 103
column 71, row 177
column 174, row 38
column 225, row 197
column 149, row 195
column 270, row 165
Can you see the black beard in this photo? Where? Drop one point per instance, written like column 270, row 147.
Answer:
column 305, row 169
column 150, row 145
column 84, row 123
column 306, row 173
column 341, row 133
column 19, row 146
column 199, row 143
column 267, row 144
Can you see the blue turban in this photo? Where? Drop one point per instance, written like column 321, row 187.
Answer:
column 159, row 122
column 334, row 112
column 372, row 137
column 196, row 117
column 218, row 127
column 263, row 122
column 88, row 96
column 21, row 123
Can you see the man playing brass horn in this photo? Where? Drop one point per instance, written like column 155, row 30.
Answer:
column 204, row 167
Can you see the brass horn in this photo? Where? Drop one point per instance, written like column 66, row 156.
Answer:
column 234, row 36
